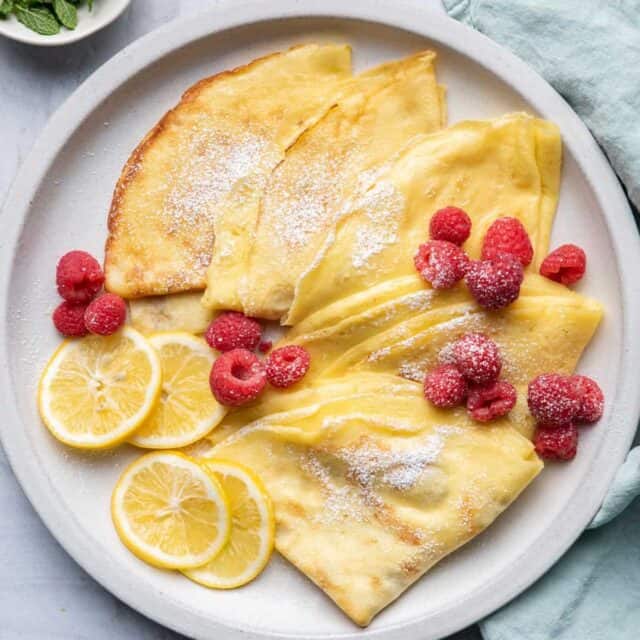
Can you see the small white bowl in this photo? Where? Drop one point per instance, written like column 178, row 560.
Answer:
column 104, row 12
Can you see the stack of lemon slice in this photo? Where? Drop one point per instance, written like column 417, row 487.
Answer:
column 209, row 518
column 97, row 392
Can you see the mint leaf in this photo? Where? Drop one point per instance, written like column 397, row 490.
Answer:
column 66, row 13
column 6, row 7
column 40, row 20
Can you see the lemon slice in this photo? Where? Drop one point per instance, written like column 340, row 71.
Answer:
column 96, row 391
column 170, row 512
column 252, row 529
column 186, row 410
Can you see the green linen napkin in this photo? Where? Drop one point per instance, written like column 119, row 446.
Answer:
column 589, row 50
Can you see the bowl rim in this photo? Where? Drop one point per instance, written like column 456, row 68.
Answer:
column 412, row 16
column 17, row 32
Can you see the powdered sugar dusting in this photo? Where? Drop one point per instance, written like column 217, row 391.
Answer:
column 214, row 162
column 412, row 370
column 398, row 469
column 447, row 355
column 380, row 354
column 341, row 501
column 367, row 466
column 299, row 209
column 380, row 205
column 421, row 300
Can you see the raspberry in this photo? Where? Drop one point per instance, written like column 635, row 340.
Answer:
column 69, row 319
column 287, row 365
column 566, row 264
column 507, row 235
column 478, row 358
column 445, row 386
column 441, row 263
column 553, row 399
column 237, row 377
column 450, row 224
column 79, row 277
column 591, row 399
column 556, row 443
column 490, row 401
column 106, row 314
column 233, row 330
column 495, row 283
column 264, row 346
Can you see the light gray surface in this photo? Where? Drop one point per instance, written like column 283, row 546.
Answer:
column 43, row 593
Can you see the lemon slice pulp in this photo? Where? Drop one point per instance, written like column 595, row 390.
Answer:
column 252, row 529
column 170, row 512
column 96, row 391
column 186, row 409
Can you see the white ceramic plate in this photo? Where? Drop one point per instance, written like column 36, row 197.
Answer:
column 104, row 12
column 60, row 200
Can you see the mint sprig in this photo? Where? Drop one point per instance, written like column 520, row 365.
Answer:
column 6, row 7
column 38, row 19
column 44, row 16
column 66, row 13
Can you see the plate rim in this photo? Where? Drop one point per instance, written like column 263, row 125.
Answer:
column 414, row 17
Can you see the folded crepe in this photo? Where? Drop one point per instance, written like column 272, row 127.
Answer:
column 372, row 486
column 546, row 329
column 380, row 112
column 223, row 139
column 504, row 167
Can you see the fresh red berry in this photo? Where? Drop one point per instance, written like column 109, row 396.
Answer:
column 69, row 319
column 478, row 358
column 495, row 283
column 441, row 263
column 556, row 443
column 287, row 365
column 265, row 346
column 237, row 377
column 233, row 330
column 490, row 401
column 106, row 314
column 79, row 277
column 566, row 264
column 591, row 399
column 553, row 399
column 450, row 224
column 507, row 235
column 445, row 386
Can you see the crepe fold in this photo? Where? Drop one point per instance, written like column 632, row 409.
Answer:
column 411, row 331
column 509, row 166
column 218, row 145
column 373, row 486
column 379, row 113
